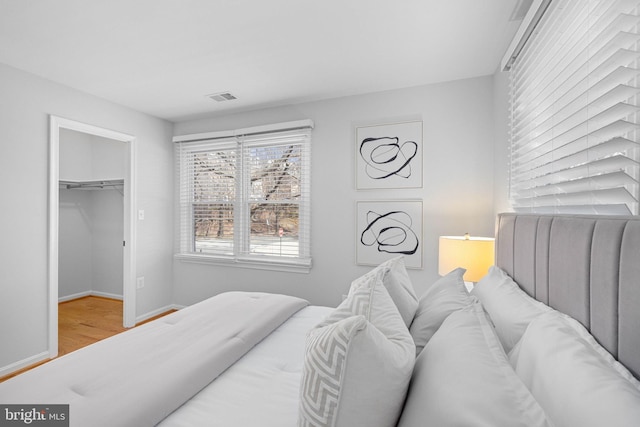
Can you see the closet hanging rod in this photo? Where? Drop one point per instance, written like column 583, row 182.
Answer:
column 101, row 184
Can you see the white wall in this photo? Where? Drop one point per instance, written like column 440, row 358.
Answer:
column 107, row 251
column 91, row 222
column 91, row 229
column 457, row 190
column 85, row 157
column 75, row 261
column 76, row 156
column 501, row 146
column 25, row 105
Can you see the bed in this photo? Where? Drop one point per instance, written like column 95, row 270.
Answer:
column 550, row 337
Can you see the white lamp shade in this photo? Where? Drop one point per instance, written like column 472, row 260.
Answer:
column 476, row 254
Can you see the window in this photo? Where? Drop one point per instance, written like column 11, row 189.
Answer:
column 244, row 196
column 574, row 111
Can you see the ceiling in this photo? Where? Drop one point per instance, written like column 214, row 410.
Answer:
column 162, row 57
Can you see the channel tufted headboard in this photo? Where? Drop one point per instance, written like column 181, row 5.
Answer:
column 585, row 266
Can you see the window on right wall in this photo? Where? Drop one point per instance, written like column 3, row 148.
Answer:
column 574, row 94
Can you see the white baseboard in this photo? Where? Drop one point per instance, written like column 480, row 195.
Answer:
column 157, row 311
column 107, row 295
column 74, row 296
column 139, row 319
column 16, row 366
column 89, row 293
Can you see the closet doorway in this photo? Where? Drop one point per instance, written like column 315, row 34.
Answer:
column 92, row 179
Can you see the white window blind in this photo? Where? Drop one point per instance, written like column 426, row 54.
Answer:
column 574, row 111
column 245, row 198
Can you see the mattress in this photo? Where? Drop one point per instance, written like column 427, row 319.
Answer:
column 260, row 389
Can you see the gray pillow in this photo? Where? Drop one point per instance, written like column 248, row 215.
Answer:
column 576, row 381
column 463, row 378
column 397, row 282
column 509, row 307
column 400, row 288
column 446, row 295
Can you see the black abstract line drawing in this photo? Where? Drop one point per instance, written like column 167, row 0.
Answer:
column 386, row 156
column 391, row 232
column 387, row 228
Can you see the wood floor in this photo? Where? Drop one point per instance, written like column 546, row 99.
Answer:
column 84, row 321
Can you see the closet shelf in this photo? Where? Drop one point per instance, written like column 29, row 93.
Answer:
column 92, row 185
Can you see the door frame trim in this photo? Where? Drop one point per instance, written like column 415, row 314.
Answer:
column 129, row 257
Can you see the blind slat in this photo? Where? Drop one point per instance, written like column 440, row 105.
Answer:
column 596, row 197
column 246, row 197
column 574, row 108
column 588, row 209
column 603, row 129
column 584, row 161
column 575, row 185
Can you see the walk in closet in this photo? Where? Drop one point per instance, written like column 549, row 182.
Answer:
column 91, row 216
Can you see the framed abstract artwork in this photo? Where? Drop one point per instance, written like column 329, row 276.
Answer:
column 386, row 229
column 389, row 156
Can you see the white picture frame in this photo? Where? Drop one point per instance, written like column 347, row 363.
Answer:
column 389, row 156
column 386, row 229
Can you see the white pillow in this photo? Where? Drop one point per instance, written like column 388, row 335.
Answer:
column 398, row 284
column 575, row 380
column 509, row 307
column 358, row 362
column 463, row 378
column 445, row 296
column 400, row 288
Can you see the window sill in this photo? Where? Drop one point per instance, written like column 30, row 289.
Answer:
column 270, row 264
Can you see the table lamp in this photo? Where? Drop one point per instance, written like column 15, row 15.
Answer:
column 476, row 254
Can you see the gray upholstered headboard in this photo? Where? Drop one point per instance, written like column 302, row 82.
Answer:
column 584, row 266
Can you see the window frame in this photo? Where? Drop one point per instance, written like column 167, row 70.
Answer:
column 239, row 140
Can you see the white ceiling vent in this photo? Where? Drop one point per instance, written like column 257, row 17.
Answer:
column 222, row 96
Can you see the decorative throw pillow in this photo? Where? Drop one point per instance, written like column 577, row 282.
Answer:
column 397, row 282
column 446, row 295
column 358, row 362
column 463, row 378
column 400, row 288
column 509, row 307
column 576, row 381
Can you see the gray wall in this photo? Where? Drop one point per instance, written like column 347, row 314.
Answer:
column 457, row 191
column 91, row 222
column 75, row 248
column 501, row 143
column 465, row 149
column 25, row 105
column 91, row 227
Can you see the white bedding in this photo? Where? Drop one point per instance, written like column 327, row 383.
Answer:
column 137, row 378
column 262, row 388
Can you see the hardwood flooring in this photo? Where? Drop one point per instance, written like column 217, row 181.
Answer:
column 87, row 320
column 84, row 321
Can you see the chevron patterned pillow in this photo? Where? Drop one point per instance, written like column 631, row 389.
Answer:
column 358, row 362
column 324, row 370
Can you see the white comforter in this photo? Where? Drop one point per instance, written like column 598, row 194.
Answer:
column 262, row 389
column 139, row 377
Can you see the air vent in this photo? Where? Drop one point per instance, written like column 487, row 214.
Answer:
column 222, row 96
